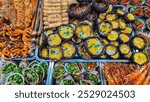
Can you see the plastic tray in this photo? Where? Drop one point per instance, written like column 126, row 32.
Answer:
column 51, row 80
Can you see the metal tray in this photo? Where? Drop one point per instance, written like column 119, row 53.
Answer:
column 143, row 17
column 51, row 80
column 45, row 81
column 77, row 59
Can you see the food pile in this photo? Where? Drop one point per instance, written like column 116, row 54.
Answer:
column 127, row 74
column 76, row 74
column 85, row 30
column 30, row 73
column 55, row 13
column 96, row 31
column 17, row 38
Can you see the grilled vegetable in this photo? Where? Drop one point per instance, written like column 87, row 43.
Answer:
column 139, row 24
column 90, row 66
column 139, row 58
column 45, row 66
column 9, row 67
column 124, row 38
column 113, row 36
column 22, row 65
column 94, row 46
column 40, row 71
column 66, row 32
column 110, row 49
column 55, row 53
column 58, row 72
column 72, row 68
column 68, row 81
column 124, row 49
column 15, row 79
column 83, row 30
column 54, row 40
column 137, row 10
column 31, row 77
column 77, row 78
column 104, row 28
column 93, row 77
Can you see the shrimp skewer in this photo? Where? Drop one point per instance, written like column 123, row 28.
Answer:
column 134, row 75
column 141, row 78
column 108, row 76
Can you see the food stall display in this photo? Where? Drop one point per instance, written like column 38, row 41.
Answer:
column 17, row 34
column 23, row 73
column 96, row 30
column 74, row 42
column 76, row 74
column 126, row 74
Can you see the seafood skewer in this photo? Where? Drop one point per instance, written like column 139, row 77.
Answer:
column 134, row 75
column 108, row 76
column 141, row 78
column 127, row 74
column 146, row 81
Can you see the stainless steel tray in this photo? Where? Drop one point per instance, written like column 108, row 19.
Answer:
column 51, row 80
